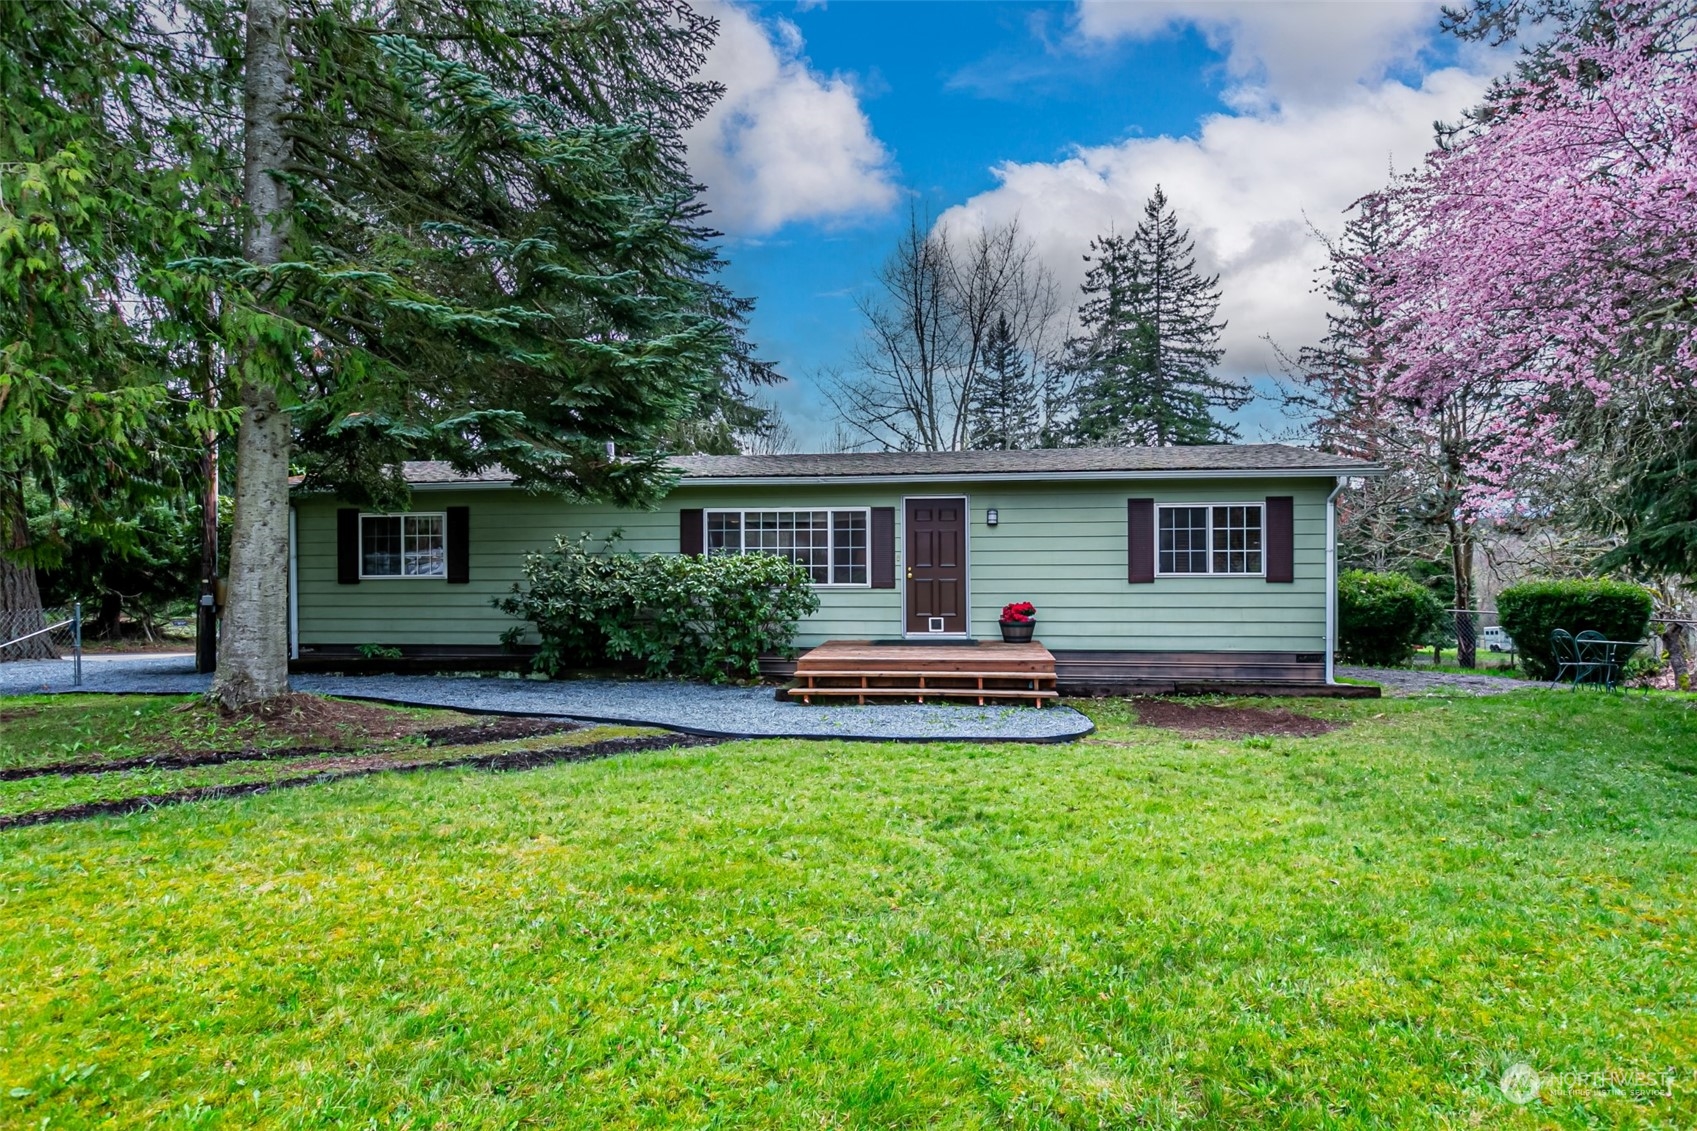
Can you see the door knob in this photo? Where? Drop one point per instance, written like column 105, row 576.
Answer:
column 910, row 575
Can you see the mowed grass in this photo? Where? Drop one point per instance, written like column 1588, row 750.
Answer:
column 1363, row 929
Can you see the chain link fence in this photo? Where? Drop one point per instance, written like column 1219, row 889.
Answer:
column 1473, row 640
column 1468, row 639
column 43, row 634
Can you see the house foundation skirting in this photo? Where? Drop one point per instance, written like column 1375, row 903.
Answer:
column 413, row 659
column 1086, row 673
column 1078, row 672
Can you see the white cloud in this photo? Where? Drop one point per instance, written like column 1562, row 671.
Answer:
column 785, row 143
column 1280, row 51
column 1247, row 186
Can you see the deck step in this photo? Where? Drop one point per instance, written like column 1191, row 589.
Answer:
column 862, row 694
column 986, row 671
column 856, row 673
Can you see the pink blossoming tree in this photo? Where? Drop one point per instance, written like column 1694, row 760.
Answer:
column 1546, row 262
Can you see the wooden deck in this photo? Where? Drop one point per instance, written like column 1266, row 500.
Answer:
column 982, row 672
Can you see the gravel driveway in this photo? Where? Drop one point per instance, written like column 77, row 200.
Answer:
column 1412, row 681
column 694, row 708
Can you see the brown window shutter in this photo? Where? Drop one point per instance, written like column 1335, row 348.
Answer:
column 1140, row 540
column 459, row 545
column 692, row 533
column 1281, row 538
column 883, row 547
column 347, row 546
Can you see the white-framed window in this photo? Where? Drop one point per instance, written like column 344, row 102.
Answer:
column 403, row 545
column 1224, row 538
column 833, row 544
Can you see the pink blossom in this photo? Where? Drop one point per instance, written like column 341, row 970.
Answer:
column 1551, row 254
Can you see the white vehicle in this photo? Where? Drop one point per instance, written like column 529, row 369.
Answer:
column 1497, row 640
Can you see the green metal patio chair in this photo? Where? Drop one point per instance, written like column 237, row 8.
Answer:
column 1570, row 667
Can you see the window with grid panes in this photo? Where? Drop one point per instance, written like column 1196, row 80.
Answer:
column 403, row 545
column 1222, row 538
column 832, row 544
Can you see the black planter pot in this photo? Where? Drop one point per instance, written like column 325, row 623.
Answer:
column 1016, row 632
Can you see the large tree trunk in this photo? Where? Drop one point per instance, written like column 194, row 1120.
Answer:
column 254, row 664
column 107, row 623
column 1461, row 572
column 1679, row 658
column 20, row 613
column 20, row 595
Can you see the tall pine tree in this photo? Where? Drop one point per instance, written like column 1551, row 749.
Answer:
column 1143, row 370
column 1387, row 522
column 96, row 424
column 467, row 231
column 1002, row 411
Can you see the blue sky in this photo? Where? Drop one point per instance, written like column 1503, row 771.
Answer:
column 1261, row 119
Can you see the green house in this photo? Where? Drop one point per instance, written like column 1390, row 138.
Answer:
column 1150, row 567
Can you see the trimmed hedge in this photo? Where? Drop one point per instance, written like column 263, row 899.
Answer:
column 1532, row 610
column 1383, row 616
column 675, row 614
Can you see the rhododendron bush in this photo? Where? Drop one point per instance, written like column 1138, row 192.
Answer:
column 1547, row 261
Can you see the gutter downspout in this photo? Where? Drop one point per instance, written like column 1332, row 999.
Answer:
column 1332, row 576
column 294, row 590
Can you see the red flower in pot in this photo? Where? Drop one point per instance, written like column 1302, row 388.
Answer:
column 1019, row 618
column 1019, row 612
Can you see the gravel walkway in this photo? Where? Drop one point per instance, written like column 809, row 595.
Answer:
column 693, row 708
column 1412, row 681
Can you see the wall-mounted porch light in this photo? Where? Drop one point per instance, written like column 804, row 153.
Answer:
column 991, row 517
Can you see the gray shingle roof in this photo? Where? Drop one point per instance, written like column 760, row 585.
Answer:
column 419, row 471
column 1036, row 463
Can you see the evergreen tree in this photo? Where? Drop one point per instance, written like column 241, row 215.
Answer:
column 1143, row 368
column 96, row 424
column 467, row 231
column 1003, row 409
column 1336, row 392
column 1055, row 402
column 1396, row 521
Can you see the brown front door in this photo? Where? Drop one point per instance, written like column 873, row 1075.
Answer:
column 936, row 566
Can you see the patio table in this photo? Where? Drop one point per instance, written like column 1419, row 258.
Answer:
column 1604, row 660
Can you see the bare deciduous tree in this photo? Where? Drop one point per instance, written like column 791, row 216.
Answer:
column 773, row 436
column 939, row 298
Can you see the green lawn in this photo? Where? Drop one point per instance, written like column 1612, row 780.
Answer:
column 1361, row 929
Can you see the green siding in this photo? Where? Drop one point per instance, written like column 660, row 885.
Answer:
column 1059, row 545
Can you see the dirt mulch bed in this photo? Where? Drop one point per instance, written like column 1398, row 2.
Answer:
column 166, row 761
column 468, row 734
column 499, row 729
column 322, row 721
column 1229, row 722
column 338, row 769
